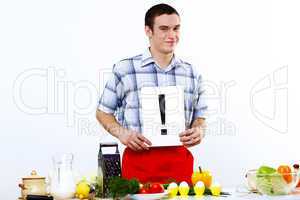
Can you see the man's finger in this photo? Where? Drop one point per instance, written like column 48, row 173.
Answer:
column 182, row 134
column 135, row 145
column 131, row 147
column 186, row 132
column 184, row 139
column 192, row 140
column 188, row 138
column 192, row 143
column 144, row 139
column 141, row 144
column 195, row 140
column 144, row 146
column 189, row 142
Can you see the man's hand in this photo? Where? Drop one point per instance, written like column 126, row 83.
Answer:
column 134, row 140
column 192, row 136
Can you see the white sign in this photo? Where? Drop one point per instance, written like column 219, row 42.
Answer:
column 163, row 114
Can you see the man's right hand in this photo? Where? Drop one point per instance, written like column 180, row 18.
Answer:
column 134, row 140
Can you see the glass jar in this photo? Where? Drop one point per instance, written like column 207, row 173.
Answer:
column 61, row 178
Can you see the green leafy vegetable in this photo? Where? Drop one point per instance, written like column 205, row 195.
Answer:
column 166, row 186
column 270, row 182
column 120, row 187
column 266, row 170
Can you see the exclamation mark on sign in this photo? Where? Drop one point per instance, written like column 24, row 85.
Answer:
column 162, row 106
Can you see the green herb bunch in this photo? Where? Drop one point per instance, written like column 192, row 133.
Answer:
column 120, row 187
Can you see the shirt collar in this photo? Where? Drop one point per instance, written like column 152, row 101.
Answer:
column 148, row 59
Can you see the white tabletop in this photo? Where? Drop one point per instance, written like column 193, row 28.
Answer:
column 242, row 196
column 238, row 196
column 234, row 196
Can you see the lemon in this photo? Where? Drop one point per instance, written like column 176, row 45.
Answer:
column 82, row 190
column 199, row 188
column 184, row 188
column 215, row 189
column 172, row 189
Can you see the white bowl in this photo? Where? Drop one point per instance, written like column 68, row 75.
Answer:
column 272, row 184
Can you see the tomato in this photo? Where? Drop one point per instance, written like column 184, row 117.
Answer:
column 143, row 191
column 156, row 188
column 286, row 173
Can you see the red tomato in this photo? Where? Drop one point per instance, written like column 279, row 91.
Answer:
column 286, row 173
column 156, row 188
column 143, row 191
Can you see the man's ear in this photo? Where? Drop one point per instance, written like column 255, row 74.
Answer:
column 148, row 31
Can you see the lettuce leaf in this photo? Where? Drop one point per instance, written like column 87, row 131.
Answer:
column 270, row 182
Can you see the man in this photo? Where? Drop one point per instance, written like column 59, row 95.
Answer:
column 119, row 106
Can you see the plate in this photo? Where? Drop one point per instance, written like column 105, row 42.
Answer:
column 149, row 196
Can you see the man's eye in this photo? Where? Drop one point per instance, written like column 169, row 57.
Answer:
column 164, row 28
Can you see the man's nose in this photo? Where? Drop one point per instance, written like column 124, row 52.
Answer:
column 171, row 34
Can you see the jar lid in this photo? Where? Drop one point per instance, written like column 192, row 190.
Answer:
column 33, row 175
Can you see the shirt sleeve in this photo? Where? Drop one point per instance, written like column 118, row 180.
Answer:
column 112, row 94
column 199, row 104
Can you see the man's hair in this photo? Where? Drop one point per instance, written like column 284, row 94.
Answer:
column 156, row 11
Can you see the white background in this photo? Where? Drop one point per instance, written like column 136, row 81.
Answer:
column 53, row 55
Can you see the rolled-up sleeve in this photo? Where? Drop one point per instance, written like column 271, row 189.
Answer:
column 200, row 106
column 111, row 96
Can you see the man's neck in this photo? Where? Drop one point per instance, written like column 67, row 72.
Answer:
column 163, row 60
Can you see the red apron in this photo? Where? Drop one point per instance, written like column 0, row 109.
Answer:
column 158, row 164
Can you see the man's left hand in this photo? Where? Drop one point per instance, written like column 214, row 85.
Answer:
column 192, row 136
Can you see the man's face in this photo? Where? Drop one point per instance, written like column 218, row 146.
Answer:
column 165, row 34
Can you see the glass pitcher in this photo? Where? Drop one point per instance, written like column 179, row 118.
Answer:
column 61, row 178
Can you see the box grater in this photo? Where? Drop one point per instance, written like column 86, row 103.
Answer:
column 109, row 165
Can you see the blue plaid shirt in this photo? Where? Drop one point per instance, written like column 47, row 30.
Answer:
column 121, row 93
